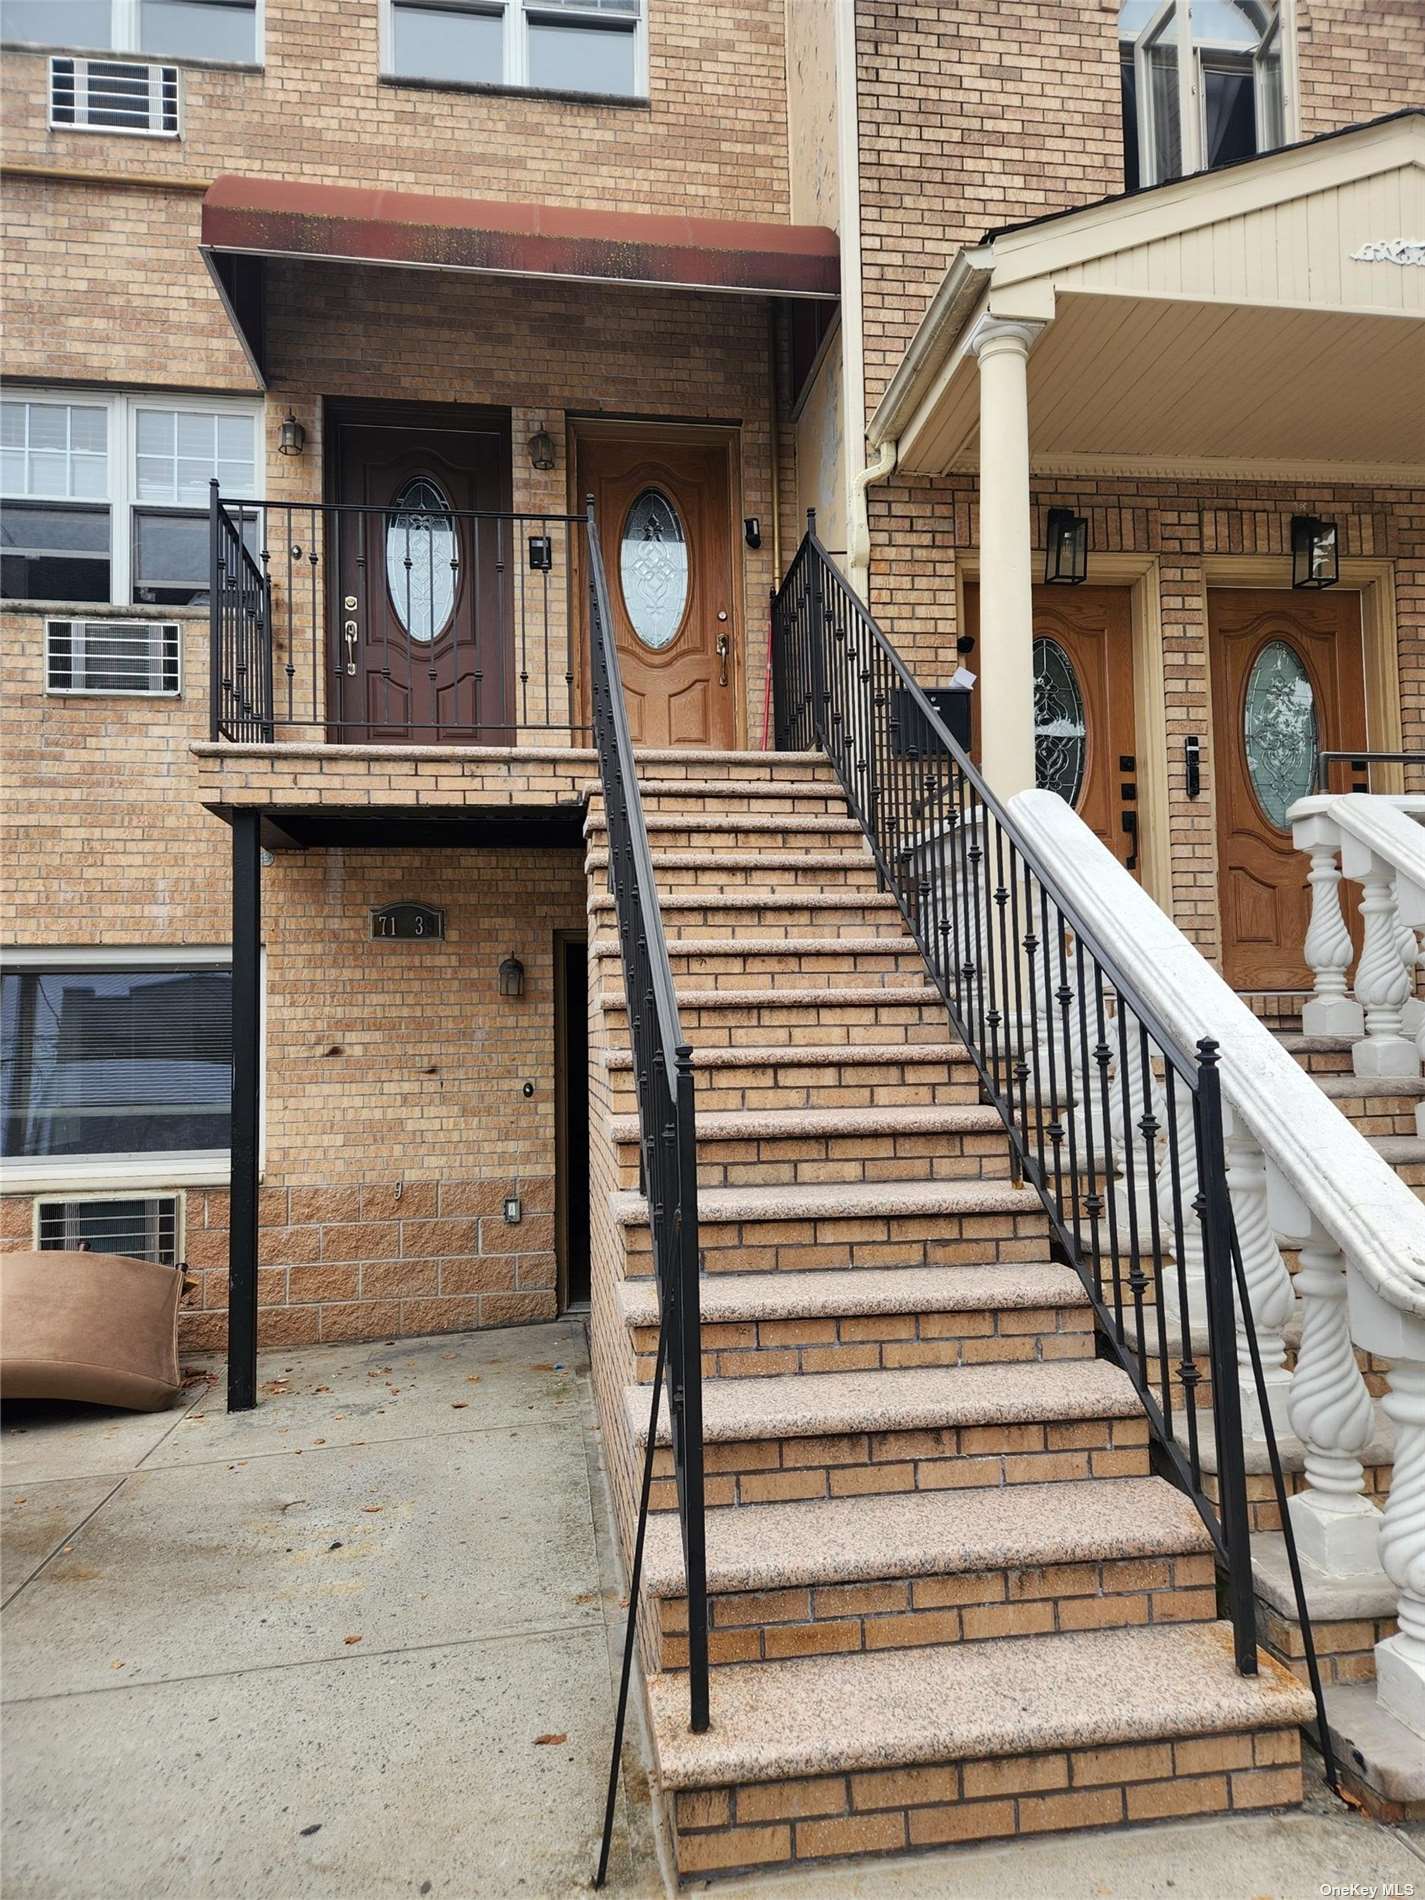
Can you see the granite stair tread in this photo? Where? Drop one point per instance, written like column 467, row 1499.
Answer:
column 735, row 820
column 796, row 1405
column 1399, row 1150
column 608, row 947
column 783, row 858
column 789, row 897
column 928, row 1533
column 757, row 1296
column 860, row 997
column 1014, row 1696
column 840, row 1200
column 799, row 1055
column 1365, row 1088
column 756, row 1124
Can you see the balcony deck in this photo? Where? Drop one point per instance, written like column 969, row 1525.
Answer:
column 309, row 793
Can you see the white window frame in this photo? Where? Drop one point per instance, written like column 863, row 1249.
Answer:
column 175, row 1194
column 197, row 1167
column 515, row 16
column 122, row 500
column 124, row 41
column 1192, row 94
column 157, row 71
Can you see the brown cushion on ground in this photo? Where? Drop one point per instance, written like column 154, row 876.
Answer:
column 91, row 1326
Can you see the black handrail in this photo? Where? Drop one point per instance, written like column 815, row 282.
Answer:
column 1116, row 1125
column 1358, row 760
column 663, row 1074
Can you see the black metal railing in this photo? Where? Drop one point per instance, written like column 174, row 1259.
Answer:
column 412, row 623
column 1360, row 771
column 1115, row 1124
column 663, row 1077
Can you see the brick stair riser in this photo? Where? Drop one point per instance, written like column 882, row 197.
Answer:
column 820, row 1160
column 735, row 974
column 818, row 1245
column 1323, row 1061
column 742, row 772
column 1345, row 1650
column 827, row 1085
column 865, row 1464
column 769, row 917
column 836, row 1619
column 784, row 798
column 716, row 872
column 1262, row 1513
column 860, row 1342
column 796, row 1023
column 1384, row 1114
column 777, row 834
column 760, row 1825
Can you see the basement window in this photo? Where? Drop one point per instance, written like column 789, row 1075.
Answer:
column 226, row 31
column 111, row 1061
column 140, row 1226
column 1202, row 85
column 592, row 47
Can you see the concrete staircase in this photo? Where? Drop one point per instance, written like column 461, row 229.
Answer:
column 949, row 1601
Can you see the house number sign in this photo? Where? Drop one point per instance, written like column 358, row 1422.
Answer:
column 408, row 921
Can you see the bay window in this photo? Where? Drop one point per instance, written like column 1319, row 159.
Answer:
column 578, row 46
column 1202, row 85
column 106, row 496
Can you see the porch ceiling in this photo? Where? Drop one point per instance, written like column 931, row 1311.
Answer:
column 1267, row 319
column 247, row 219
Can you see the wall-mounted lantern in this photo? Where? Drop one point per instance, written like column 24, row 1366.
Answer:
column 1315, row 552
column 541, row 449
column 512, row 976
column 291, row 437
column 1066, row 547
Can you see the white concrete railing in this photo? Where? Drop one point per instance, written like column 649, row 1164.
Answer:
column 1377, row 842
column 1297, row 1170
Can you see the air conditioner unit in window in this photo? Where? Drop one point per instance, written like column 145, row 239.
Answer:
column 113, row 95
column 143, row 1226
column 113, row 656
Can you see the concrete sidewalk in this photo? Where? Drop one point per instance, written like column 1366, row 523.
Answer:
column 363, row 1642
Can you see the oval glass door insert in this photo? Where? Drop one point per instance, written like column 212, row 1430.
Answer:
column 653, row 569
column 1060, row 722
column 421, row 558
column 1280, row 735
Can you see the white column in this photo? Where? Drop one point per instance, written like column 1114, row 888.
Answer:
column 1330, row 1409
column 1269, row 1286
column 1006, row 670
column 1330, row 1012
column 1400, row 1659
column 1382, row 984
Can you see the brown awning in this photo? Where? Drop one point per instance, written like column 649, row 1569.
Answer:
column 263, row 217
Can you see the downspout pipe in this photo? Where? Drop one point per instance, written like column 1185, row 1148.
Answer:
column 858, row 538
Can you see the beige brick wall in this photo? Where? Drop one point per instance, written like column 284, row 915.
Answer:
column 710, row 140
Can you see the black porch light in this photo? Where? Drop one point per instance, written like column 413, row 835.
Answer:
column 1315, row 552
column 512, row 976
column 541, row 449
column 291, row 437
column 1066, row 547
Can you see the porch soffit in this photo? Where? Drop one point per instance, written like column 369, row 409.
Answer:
column 1223, row 320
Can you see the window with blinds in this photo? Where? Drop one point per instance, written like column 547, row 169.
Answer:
column 115, row 1062
column 113, row 656
column 140, row 1226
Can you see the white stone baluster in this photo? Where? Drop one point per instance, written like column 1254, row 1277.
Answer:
column 1328, row 947
column 1412, row 1014
column 1381, row 982
column 1180, row 1159
column 1269, row 1288
column 1130, row 1102
column 1331, row 1412
column 1400, row 1659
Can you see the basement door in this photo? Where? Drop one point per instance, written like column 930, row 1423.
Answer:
column 422, row 613
column 663, row 504
column 1288, row 682
column 1083, row 706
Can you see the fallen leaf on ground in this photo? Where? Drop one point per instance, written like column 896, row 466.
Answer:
column 459, row 1405
column 349, row 1640
column 372, row 1509
column 545, row 1741
column 542, row 1365
column 472, row 1378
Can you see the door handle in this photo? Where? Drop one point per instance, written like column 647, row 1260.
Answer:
column 724, row 647
column 1130, row 830
column 349, row 633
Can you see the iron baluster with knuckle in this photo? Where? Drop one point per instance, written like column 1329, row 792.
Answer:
column 1114, row 1123
column 410, row 622
column 663, row 1072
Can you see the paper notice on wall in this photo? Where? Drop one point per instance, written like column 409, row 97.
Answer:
column 963, row 678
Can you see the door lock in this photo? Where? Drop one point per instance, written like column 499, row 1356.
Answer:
column 724, row 647
column 349, row 635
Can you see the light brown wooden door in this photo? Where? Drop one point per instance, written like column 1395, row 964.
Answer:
column 1287, row 680
column 1083, row 706
column 664, row 512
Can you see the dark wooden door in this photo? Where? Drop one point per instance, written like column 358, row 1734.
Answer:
column 1084, row 745
column 1288, row 679
column 422, row 611
column 664, row 512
